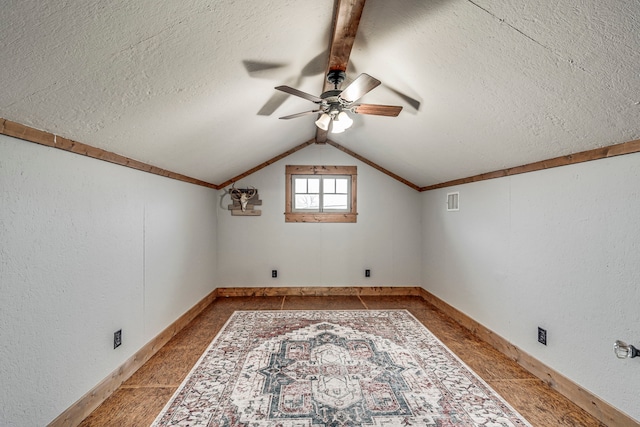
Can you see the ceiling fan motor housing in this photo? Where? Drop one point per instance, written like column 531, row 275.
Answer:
column 332, row 104
column 336, row 77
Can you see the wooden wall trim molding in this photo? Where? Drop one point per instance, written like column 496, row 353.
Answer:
column 319, row 291
column 595, row 406
column 570, row 159
column 26, row 133
column 267, row 163
column 81, row 409
column 373, row 165
column 310, row 142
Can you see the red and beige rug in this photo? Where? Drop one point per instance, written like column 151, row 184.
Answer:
column 332, row 368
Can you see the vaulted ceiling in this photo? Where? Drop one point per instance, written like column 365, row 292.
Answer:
column 188, row 86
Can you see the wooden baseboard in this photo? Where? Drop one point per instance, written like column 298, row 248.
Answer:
column 317, row 291
column 595, row 406
column 600, row 409
column 98, row 394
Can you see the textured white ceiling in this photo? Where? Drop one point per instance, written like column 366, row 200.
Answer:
column 183, row 85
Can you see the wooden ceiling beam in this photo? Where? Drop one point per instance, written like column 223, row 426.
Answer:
column 345, row 26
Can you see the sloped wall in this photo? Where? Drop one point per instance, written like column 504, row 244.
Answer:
column 559, row 249
column 87, row 248
column 385, row 239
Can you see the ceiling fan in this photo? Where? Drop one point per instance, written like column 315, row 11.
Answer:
column 334, row 104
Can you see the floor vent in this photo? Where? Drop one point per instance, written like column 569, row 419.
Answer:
column 452, row 201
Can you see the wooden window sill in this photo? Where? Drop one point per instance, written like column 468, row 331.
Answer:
column 320, row 217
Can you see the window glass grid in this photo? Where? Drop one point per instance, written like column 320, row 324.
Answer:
column 321, row 193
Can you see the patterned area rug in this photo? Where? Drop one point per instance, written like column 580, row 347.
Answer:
column 332, row 368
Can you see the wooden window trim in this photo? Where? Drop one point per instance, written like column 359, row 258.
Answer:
column 290, row 216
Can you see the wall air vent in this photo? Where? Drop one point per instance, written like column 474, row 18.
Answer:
column 453, row 201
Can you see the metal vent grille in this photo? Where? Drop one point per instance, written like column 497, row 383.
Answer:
column 453, row 200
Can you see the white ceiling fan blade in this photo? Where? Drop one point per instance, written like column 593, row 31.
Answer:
column 359, row 87
column 301, row 94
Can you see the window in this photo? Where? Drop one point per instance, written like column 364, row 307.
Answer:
column 320, row 194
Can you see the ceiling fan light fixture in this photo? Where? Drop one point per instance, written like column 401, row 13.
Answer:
column 345, row 120
column 336, row 127
column 341, row 122
column 323, row 121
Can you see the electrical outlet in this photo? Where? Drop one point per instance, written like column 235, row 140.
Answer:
column 117, row 338
column 367, row 273
column 274, row 273
column 542, row 336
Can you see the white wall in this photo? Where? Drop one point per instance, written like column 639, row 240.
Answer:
column 87, row 248
column 559, row 249
column 385, row 239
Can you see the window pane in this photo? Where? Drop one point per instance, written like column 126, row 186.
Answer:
column 301, row 185
column 314, row 185
column 342, row 185
column 329, row 185
column 335, row 201
column 306, row 201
